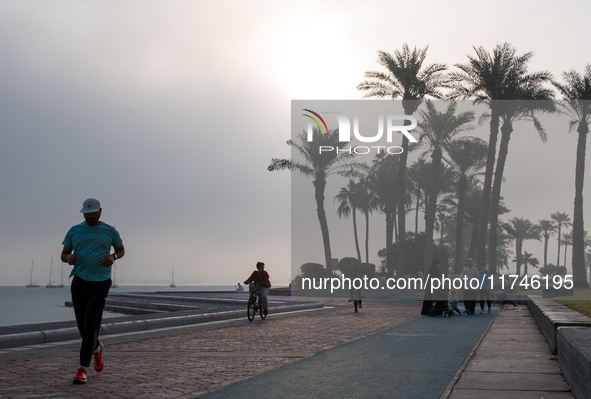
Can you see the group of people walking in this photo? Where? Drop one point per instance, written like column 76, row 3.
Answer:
column 482, row 293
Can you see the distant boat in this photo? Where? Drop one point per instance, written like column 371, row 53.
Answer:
column 113, row 273
column 61, row 285
column 51, row 285
column 173, row 285
column 31, row 285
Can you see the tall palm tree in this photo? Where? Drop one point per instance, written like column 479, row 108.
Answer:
column 437, row 130
column 562, row 220
column 577, row 93
column 348, row 199
column 548, row 228
column 516, row 111
column 319, row 166
column 407, row 79
column 488, row 78
column 523, row 229
column 468, row 157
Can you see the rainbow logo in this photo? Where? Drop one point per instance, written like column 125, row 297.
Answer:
column 316, row 120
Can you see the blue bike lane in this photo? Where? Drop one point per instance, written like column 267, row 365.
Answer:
column 417, row 359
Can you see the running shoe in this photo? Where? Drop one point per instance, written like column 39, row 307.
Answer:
column 80, row 377
column 98, row 360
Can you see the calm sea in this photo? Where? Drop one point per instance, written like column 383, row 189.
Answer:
column 22, row 305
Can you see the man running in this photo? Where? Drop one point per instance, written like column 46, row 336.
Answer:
column 87, row 247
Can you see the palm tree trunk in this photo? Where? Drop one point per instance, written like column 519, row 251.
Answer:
column 565, row 250
column 354, row 212
column 417, row 212
column 366, row 237
column 319, row 186
column 432, row 207
column 559, row 243
column 488, row 178
column 506, row 130
column 579, row 277
column 546, row 237
column 518, row 257
column 389, row 237
column 459, row 257
column 401, row 180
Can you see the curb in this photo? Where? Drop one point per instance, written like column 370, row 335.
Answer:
column 447, row 392
column 66, row 334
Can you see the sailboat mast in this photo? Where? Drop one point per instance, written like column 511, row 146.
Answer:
column 31, row 281
column 50, row 269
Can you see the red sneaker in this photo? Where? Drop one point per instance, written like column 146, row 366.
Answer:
column 80, row 377
column 98, row 360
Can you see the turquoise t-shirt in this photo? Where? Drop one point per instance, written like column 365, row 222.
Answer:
column 92, row 244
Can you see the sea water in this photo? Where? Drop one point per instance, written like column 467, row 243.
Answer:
column 22, row 305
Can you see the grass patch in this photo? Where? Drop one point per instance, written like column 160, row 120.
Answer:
column 581, row 306
column 579, row 302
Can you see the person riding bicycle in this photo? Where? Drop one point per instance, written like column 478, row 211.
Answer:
column 261, row 277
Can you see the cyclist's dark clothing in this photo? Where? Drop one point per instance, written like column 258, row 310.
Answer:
column 259, row 277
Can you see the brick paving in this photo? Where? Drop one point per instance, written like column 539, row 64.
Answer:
column 191, row 364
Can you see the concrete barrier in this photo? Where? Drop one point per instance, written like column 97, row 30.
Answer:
column 65, row 334
column 574, row 359
column 22, row 339
column 551, row 315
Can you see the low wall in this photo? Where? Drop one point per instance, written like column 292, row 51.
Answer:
column 569, row 336
column 551, row 315
column 167, row 320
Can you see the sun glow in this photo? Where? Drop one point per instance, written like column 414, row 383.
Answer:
column 315, row 61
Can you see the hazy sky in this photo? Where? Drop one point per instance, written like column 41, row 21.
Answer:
column 169, row 113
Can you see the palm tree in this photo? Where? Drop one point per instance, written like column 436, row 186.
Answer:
column 406, row 78
column 319, row 166
column 562, row 220
column 467, row 158
column 348, row 199
column 577, row 93
column 488, row 78
column 528, row 259
column 548, row 228
column 517, row 111
column 523, row 229
column 437, row 131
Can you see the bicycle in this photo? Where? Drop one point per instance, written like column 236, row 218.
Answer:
column 255, row 304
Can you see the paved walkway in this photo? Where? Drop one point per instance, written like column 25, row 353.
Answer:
column 193, row 363
column 386, row 350
column 513, row 360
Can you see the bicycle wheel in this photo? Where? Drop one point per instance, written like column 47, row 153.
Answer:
column 261, row 311
column 356, row 304
column 251, row 310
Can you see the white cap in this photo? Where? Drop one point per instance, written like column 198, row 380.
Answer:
column 91, row 205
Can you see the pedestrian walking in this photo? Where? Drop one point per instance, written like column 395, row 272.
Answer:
column 87, row 247
column 470, row 294
column 484, row 291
